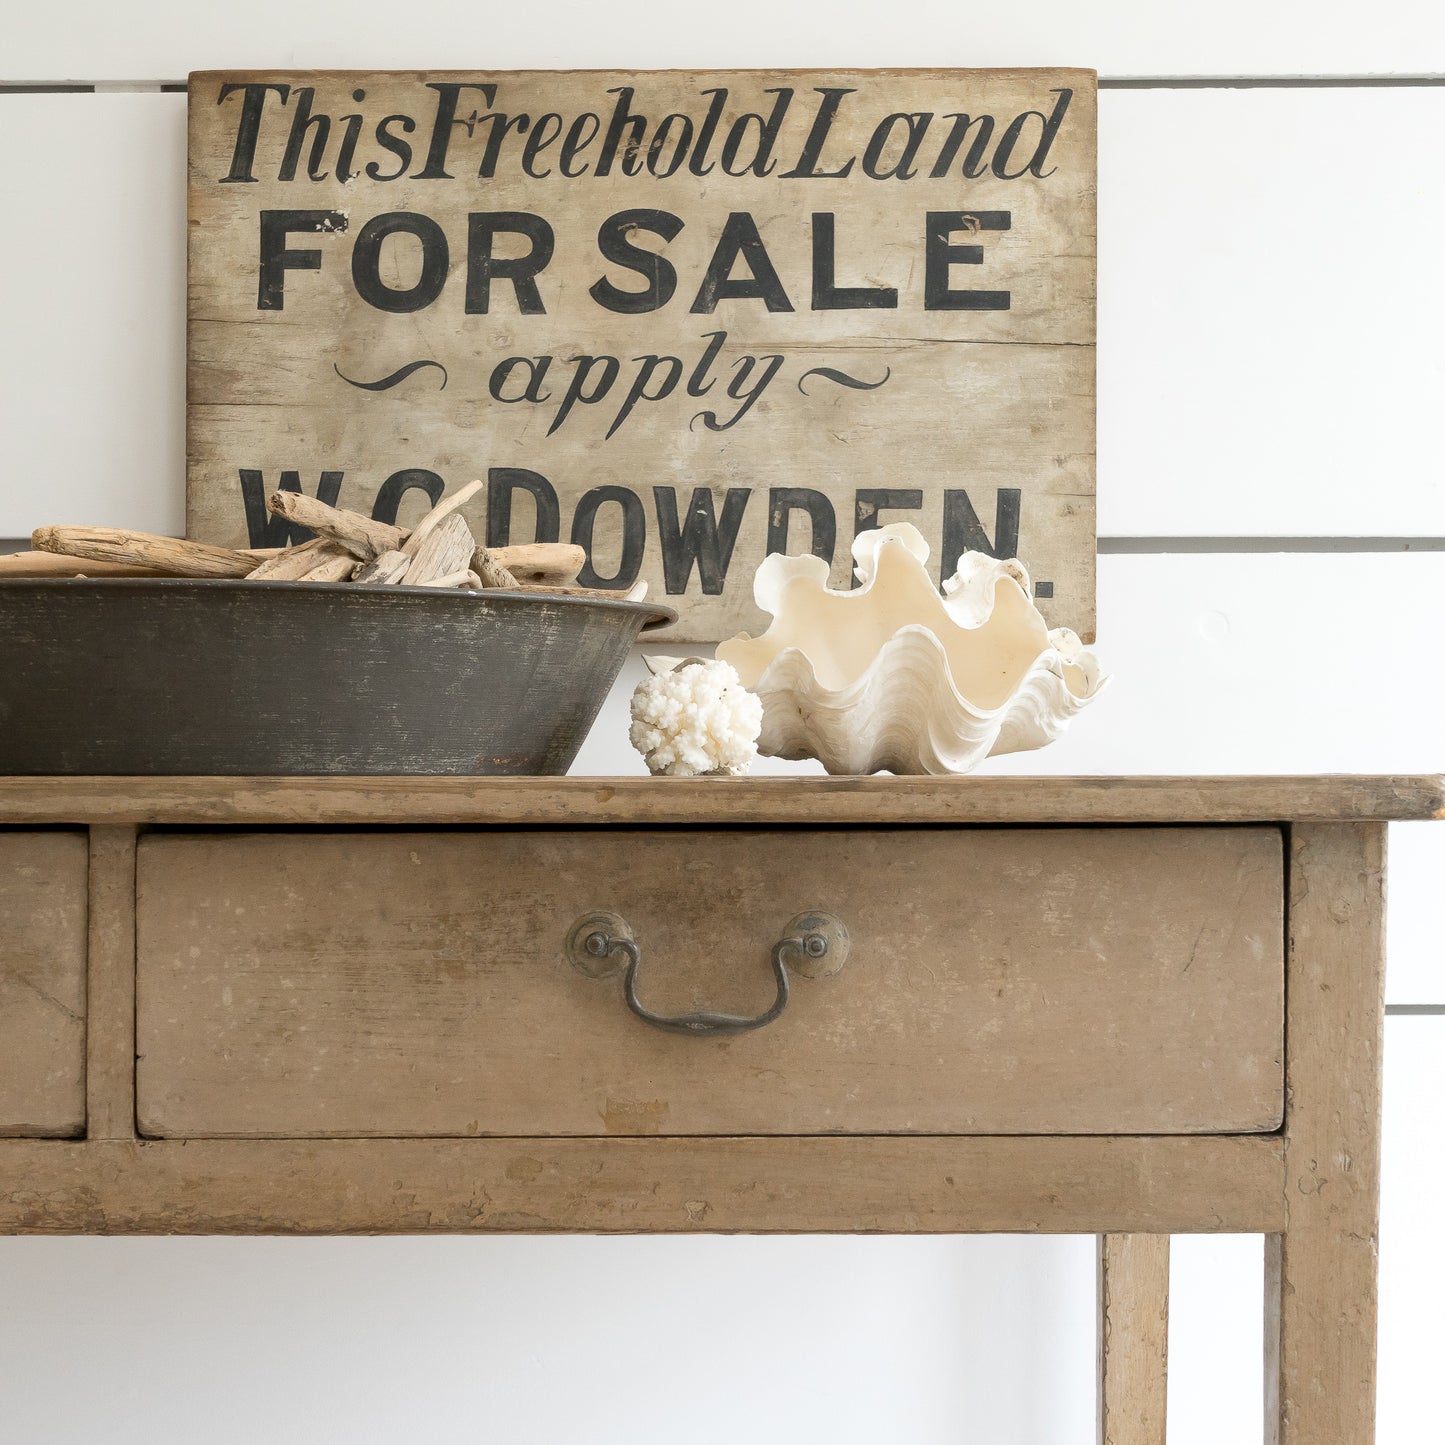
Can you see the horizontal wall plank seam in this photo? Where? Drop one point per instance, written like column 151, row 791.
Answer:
column 1265, row 82
column 1163, row 546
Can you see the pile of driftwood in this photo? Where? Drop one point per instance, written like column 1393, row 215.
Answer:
column 440, row 551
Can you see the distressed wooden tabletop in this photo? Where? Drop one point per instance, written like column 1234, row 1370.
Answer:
column 711, row 801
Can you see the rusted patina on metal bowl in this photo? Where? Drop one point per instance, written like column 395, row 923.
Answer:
column 176, row 676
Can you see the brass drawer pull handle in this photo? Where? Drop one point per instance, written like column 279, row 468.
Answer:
column 813, row 944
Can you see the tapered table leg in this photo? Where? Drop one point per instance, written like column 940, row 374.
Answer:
column 1133, row 1338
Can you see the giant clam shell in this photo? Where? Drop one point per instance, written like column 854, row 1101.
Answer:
column 893, row 677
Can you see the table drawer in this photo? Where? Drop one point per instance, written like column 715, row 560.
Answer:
column 1020, row 981
column 42, row 983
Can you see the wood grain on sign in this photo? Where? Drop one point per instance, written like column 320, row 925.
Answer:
column 682, row 319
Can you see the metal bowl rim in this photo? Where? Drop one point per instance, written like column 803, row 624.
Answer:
column 656, row 615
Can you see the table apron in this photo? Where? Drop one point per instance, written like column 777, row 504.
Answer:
column 816, row 1184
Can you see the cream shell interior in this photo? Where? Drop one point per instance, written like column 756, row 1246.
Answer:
column 842, row 633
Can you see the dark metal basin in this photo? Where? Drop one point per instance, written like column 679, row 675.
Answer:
column 142, row 675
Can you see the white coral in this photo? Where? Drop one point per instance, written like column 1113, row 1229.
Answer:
column 695, row 717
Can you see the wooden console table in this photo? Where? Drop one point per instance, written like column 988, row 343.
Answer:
column 1127, row 1007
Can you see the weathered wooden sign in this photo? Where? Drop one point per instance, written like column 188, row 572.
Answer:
column 683, row 319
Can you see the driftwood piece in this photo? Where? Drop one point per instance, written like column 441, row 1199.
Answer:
column 294, row 562
column 387, row 567
column 53, row 564
column 167, row 555
column 491, row 572
column 542, row 561
column 333, row 564
column 635, row 593
column 348, row 546
column 439, row 513
column 363, row 537
column 446, row 547
column 465, row 580
column 557, row 562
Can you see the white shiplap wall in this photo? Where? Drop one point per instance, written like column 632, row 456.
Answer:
column 131, row 40
column 1270, row 307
